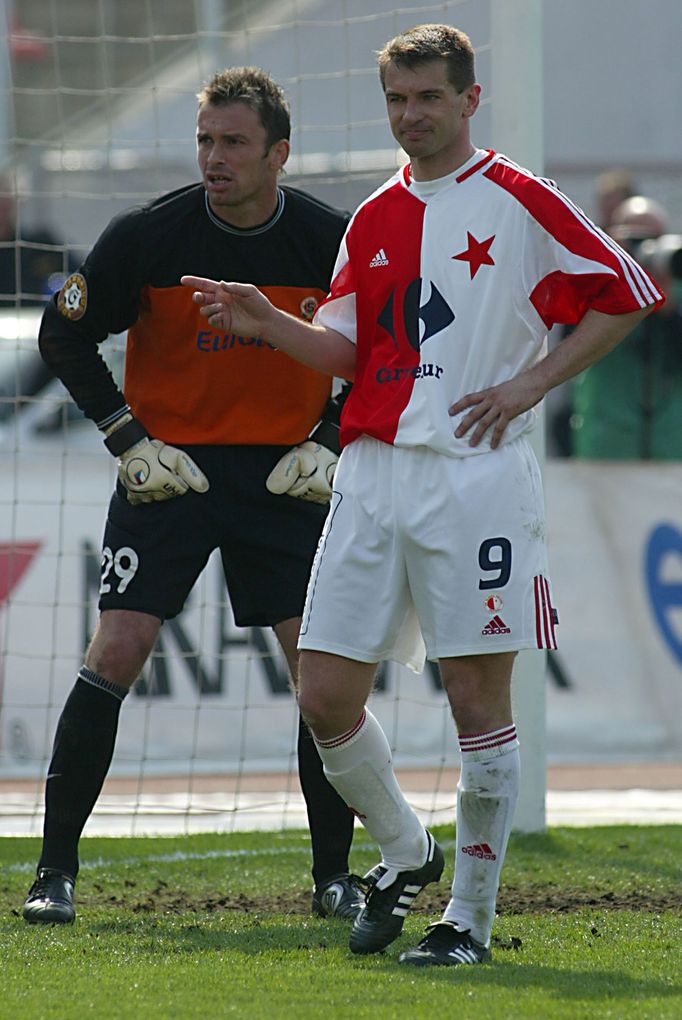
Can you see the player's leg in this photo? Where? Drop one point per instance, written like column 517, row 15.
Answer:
column 358, row 612
column 484, row 596
column 479, row 693
column 82, row 752
column 358, row 763
column 268, row 547
column 145, row 567
column 357, row 757
column 336, row 892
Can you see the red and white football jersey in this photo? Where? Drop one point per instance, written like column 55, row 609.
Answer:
column 449, row 287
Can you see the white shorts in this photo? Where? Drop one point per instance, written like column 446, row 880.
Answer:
column 417, row 543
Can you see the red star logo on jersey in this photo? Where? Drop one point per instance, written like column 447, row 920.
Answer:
column 476, row 253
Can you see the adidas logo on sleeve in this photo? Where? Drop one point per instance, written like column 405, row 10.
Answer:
column 380, row 259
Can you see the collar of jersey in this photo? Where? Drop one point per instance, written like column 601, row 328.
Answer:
column 248, row 231
column 475, row 163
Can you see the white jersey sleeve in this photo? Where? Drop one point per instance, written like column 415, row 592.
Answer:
column 337, row 311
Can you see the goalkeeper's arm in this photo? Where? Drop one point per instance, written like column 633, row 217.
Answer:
column 148, row 469
column 307, row 471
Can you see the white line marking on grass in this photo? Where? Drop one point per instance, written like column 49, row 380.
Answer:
column 177, row 855
column 206, row 855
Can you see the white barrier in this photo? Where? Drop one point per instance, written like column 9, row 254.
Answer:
column 616, row 558
column 616, row 563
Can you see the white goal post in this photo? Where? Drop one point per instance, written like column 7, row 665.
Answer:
column 96, row 114
column 516, row 128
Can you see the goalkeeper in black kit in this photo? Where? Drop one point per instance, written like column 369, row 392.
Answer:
column 205, row 419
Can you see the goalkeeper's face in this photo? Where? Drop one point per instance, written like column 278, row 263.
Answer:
column 238, row 168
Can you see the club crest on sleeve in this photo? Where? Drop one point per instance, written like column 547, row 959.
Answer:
column 73, row 297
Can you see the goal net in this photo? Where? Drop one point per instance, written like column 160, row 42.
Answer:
column 98, row 113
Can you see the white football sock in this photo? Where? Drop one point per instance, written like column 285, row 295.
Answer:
column 359, row 766
column 486, row 798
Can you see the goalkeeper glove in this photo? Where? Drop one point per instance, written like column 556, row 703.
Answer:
column 149, row 470
column 306, row 472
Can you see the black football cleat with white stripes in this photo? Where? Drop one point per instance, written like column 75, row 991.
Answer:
column 390, row 896
column 446, row 945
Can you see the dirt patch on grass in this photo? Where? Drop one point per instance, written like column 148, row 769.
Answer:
column 533, row 900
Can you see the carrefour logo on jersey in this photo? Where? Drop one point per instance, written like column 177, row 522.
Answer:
column 405, row 315
column 209, row 342
column 384, row 374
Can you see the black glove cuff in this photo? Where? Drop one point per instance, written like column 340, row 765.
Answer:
column 327, row 434
column 125, row 437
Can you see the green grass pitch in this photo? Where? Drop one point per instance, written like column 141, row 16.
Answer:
column 212, row 926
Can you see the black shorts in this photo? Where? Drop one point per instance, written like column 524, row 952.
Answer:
column 153, row 552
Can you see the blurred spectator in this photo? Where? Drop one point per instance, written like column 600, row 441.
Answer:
column 629, row 405
column 637, row 219
column 612, row 188
column 33, row 263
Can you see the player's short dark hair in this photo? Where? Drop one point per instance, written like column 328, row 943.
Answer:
column 423, row 43
column 255, row 88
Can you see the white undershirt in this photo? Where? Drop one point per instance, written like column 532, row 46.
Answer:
column 427, row 189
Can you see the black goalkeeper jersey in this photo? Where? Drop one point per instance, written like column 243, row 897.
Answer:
column 185, row 381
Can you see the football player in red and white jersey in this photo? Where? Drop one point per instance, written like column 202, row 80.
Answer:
column 446, row 283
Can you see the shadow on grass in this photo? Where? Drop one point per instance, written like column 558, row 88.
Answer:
column 325, row 944
column 565, row 983
column 259, row 937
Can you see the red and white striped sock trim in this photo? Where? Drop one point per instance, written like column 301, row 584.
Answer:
column 343, row 738
column 481, row 746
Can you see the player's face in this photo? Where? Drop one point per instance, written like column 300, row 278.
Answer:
column 429, row 118
column 238, row 169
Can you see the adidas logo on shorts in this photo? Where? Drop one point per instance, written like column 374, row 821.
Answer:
column 495, row 627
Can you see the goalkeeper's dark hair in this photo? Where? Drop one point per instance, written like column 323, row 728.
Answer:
column 423, row 43
column 255, row 88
